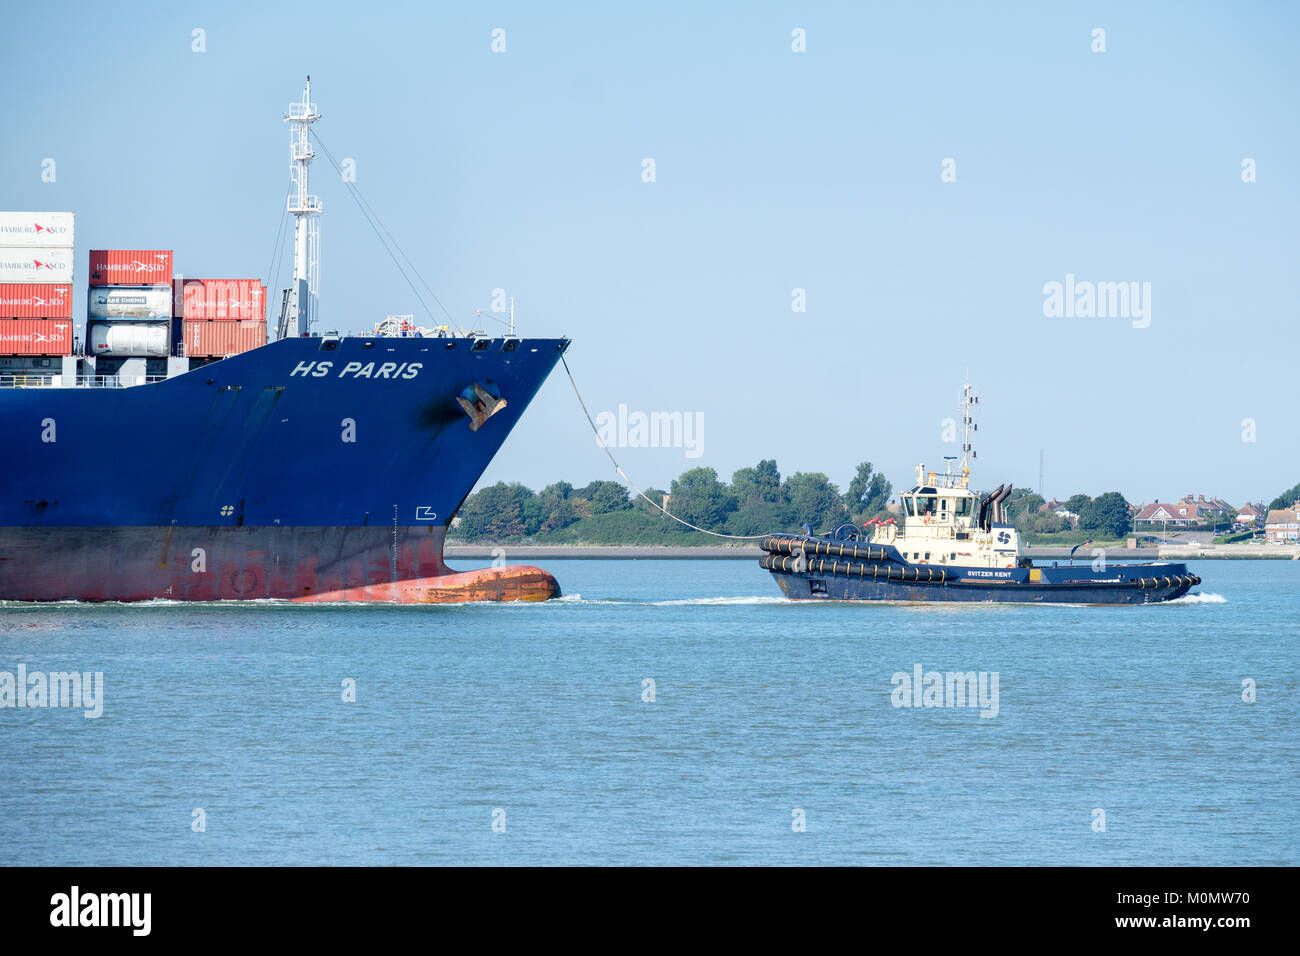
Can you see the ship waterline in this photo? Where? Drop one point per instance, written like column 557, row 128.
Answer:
column 305, row 564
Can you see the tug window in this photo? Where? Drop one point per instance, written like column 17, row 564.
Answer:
column 962, row 507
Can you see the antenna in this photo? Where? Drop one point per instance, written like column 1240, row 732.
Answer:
column 486, row 314
column 301, row 303
column 969, row 399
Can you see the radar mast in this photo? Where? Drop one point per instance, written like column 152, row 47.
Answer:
column 969, row 399
column 301, row 300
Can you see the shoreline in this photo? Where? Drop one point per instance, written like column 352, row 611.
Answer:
column 516, row 553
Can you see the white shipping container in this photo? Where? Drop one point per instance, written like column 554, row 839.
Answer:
column 124, row 302
column 28, row 264
column 44, row 230
column 151, row 340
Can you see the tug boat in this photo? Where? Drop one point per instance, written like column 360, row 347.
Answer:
column 953, row 545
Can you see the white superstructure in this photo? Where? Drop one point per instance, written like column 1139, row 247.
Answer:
column 945, row 523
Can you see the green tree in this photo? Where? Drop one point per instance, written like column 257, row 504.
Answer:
column 760, row 483
column 868, row 492
column 700, row 498
column 1285, row 500
column 556, row 507
column 654, row 494
column 814, row 499
column 605, row 496
column 498, row 512
column 762, row 517
column 1077, row 503
column 1023, row 502
column 1107, row 514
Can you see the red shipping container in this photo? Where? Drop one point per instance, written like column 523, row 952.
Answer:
column 224, row 299
column 28, row 300
column 130, row 267
column 206, row 339
column 35, row 337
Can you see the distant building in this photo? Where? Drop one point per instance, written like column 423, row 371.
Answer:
column 1283, row 527
column 1188, row 512
column 1249, row 515
column 1058, row 508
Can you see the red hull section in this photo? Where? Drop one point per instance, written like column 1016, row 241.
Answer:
column 393, row 564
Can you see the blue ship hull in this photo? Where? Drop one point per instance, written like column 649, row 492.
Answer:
column 307, row 469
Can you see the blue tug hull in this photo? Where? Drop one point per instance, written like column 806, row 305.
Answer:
column 816, row 568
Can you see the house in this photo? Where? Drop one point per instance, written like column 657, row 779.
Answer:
column 1058, row 508
column 1160, row 514
column 1187, row 512
column 1211, row 508
column 1283, row 527
column 1249, row 515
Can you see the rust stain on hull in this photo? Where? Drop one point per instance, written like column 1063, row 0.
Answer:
column 517, row 583
column 401, row 565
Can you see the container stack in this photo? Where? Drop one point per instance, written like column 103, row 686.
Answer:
column 35, row 289
column 128, row 305
column 219, row 317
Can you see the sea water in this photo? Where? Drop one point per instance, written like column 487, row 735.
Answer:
column 669, row 711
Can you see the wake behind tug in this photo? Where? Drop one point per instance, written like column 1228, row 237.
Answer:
column 953, row 546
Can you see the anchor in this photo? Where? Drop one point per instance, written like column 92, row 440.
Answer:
column 484, row 406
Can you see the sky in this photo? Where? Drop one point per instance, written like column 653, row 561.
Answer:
column 922, row 172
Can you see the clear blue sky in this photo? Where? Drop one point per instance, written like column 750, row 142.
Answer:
column 775, row 170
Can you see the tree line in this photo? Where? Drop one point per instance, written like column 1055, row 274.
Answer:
column 1108, row 515
column 756, row 500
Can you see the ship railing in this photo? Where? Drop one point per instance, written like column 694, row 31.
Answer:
column 20, row 380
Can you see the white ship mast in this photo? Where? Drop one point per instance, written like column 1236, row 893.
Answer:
column 969, row 399
column 301, row 299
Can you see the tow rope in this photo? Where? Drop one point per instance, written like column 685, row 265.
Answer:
column 631, row 484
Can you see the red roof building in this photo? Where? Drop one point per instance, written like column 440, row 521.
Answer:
column 1283, row 527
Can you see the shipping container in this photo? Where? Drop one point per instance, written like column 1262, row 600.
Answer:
column 27, row 300
column 148, row 339
column 218, row 339
column 28, row 264
column 130, row 267
column 44, row 230
column 35, row 337
column 129, row 302
column 224, row 299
